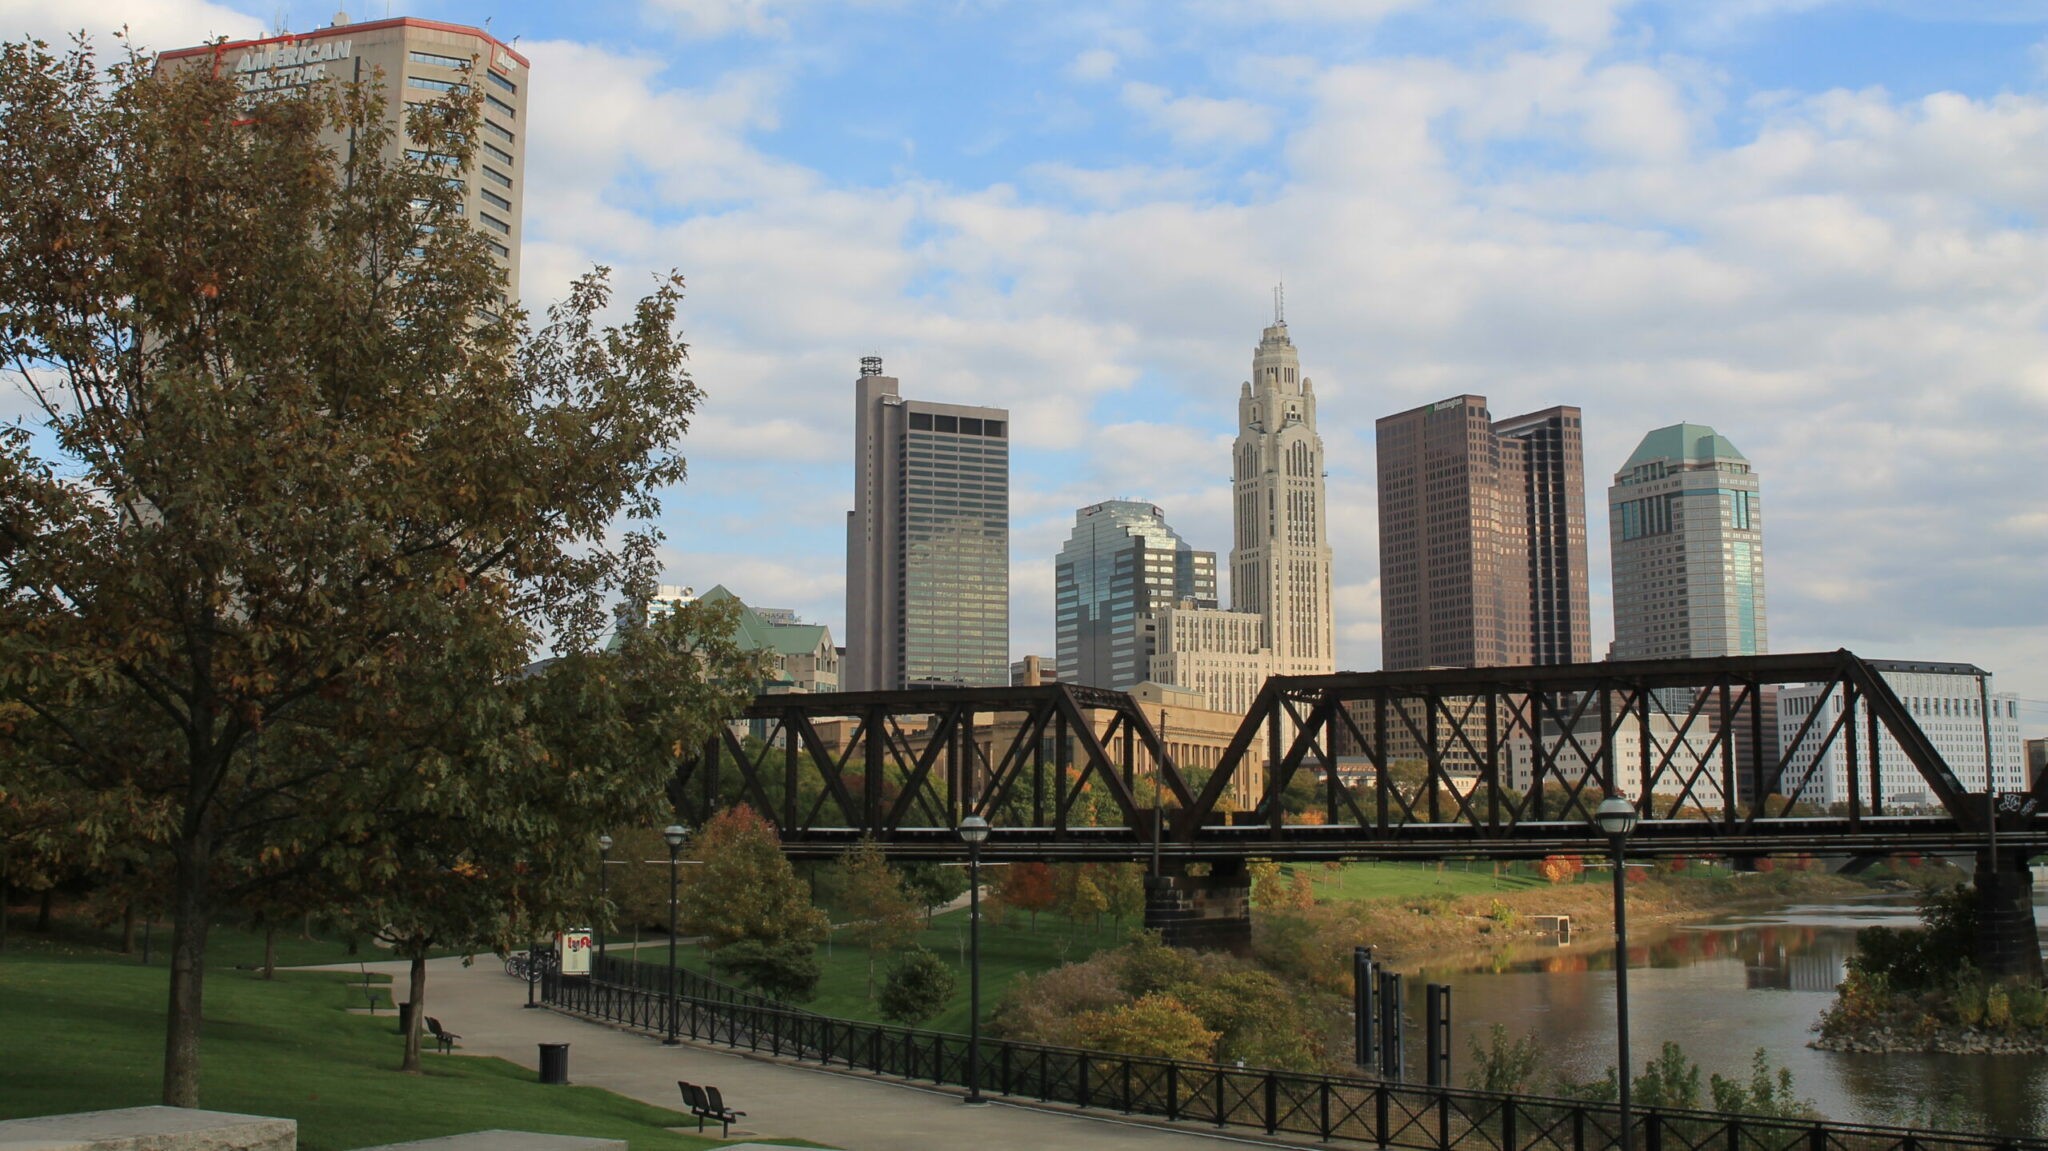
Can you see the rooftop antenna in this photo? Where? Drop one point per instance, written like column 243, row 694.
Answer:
column 1280, row 304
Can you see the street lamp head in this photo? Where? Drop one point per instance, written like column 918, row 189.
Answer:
column 1616, row 817
column 604, row 843
column 675, row 833
column 974, row 830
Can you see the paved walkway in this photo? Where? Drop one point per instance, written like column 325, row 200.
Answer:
column 782, row 1100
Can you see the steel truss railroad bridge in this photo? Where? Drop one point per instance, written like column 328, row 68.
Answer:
column 1512, row 762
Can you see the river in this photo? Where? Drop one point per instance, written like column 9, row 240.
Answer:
column 1722, row 990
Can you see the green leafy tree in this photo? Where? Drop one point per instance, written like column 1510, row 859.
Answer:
column 1076, row 895
column 306, row 492
column 933, row 885
column 880, row 916
column 1123, row 890
column 916, row 988
column 746, row 893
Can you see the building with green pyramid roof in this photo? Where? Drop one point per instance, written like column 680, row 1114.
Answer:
column 799, row 657
column 1686, row 530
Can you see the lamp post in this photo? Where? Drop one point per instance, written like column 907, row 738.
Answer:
column 1617, row 817
column 604, row 908
column 675, row 834
column 974, row 830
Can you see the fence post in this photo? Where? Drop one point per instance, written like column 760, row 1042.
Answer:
column 1127, row 1085
column 1272, row 1103
column 1507, row 1126
column 1818, row 1139
column 1221, row 1118
column 1081, row 1081
column 1579, row 1128
column 1365, row 1021
column 1380, row 1091
column 1653, row 1132
column 1323, row 1113
column 1003, row 1065
column 1172, row 1091
column 1393, row 1040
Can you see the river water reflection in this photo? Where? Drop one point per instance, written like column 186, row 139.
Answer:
column 1722, row 990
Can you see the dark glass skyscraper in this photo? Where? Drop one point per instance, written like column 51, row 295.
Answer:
column 927, row 542
column 1482, row 538
column 1121, row 564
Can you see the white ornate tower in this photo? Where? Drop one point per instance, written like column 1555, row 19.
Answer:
column 1280, row 566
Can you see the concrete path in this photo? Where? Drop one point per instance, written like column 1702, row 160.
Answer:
column 782, row 1100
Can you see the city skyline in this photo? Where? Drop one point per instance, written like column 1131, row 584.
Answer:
column 1804, row 225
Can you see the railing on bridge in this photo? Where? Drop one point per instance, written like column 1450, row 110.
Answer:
column 1388, row 1114
column 1483, row 761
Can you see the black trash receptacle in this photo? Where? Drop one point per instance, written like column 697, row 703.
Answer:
column 554, row 1063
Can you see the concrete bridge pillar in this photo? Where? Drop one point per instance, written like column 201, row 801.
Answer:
column 1211, row 912
column 2007, row 942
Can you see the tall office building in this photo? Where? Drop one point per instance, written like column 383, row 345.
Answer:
column 1280, row 561
column 927, row 542
column 1482, row 537
column 1122, row 564
column 1954, row 707
column 1686, row 533
column 419, row 60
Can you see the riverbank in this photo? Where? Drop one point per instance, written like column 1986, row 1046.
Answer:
column 1412, row 932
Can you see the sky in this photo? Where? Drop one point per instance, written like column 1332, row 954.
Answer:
column 1816, row 225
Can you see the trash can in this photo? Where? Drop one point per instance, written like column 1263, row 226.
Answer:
column 554, row 1063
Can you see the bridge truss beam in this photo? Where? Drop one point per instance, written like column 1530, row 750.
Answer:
column 1485, row 762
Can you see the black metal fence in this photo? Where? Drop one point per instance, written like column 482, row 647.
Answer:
column 1388, row 1114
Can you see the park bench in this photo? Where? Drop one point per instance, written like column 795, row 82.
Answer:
column 442, row 1035
column 706, row 1103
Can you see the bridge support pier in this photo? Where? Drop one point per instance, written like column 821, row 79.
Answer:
column 1210, row 912
column 2007, row 942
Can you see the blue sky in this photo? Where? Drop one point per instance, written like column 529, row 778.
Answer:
column 1814, row 224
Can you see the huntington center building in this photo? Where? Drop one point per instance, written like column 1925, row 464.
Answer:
column 418, row 61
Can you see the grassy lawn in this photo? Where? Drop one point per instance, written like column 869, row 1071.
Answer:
column 1008, row 950
column 72, row 937
column 1356, row 881
column 89, row 1035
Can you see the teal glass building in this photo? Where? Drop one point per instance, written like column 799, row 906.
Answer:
column 1121, row 564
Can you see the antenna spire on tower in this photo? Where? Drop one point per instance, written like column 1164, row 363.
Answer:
column 1280, row 304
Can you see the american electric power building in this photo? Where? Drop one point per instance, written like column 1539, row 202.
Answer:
column 418, row 61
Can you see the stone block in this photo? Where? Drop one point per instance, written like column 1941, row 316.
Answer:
column 150, row 1129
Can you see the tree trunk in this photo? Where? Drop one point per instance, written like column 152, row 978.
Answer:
column 128, row 928
column 43, row 911
column 270, row 953
column 4, row 895
column 417, row 993
column 189, row 915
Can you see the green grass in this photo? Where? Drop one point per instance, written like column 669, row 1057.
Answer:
column 1358, row 881
column 89, row 1035
column 72, row 937
column 1008, row 950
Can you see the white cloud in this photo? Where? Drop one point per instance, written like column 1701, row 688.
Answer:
column 1094, row 64
column 1573, row 21
column 153, row 25
column 1199, row 121
column 761, row 19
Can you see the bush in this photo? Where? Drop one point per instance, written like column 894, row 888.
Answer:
column 1156, row 1025
column 916, row 987
column 1502, row 1065
column 1918, row 959
column 787, row 971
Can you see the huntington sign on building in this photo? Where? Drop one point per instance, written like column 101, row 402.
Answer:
column 418, row 61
